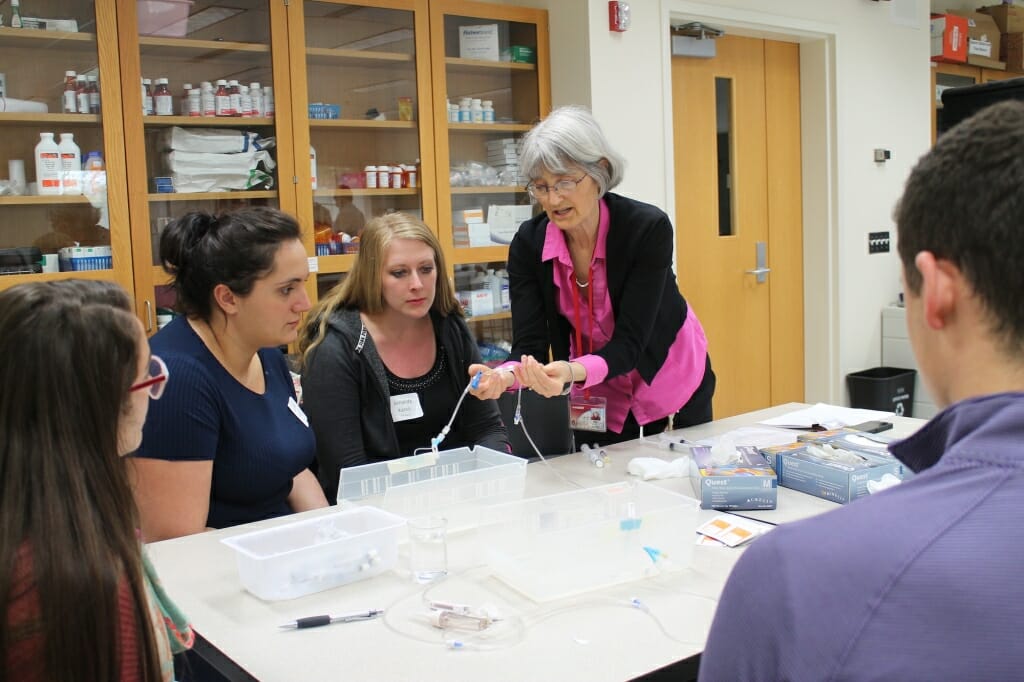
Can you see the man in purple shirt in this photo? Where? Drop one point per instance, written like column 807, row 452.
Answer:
column 921, row 581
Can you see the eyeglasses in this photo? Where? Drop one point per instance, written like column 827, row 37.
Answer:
column 157, row 381
column 562, row 187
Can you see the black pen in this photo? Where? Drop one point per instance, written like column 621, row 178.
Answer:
column 317, row 621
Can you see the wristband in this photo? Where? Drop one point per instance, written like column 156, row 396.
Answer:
column 567, row 387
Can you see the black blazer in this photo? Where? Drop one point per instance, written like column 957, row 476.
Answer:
column 646, row 303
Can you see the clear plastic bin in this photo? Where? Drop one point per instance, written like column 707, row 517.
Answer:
column 163, row 17
column 317, row 554
column 561, row 545
column 454, row 484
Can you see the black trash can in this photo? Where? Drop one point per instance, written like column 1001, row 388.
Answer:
column 883, row 388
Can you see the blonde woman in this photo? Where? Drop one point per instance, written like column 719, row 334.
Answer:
column 386, row 357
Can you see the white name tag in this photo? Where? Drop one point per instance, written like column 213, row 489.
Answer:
column 405, row 407
column 297, row 411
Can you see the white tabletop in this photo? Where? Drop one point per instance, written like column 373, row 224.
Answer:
column 596, row 636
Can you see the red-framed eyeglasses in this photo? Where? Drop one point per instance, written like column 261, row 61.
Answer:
column 157, row 380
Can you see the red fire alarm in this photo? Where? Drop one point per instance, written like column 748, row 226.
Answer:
column 618, row 15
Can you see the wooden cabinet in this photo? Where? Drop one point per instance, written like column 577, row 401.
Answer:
column 957, row 76
column 378, row 71
column 93, row 213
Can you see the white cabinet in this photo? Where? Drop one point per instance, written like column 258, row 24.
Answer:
column 896, row 352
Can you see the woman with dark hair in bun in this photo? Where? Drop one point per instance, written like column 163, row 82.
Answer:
column 228, row 443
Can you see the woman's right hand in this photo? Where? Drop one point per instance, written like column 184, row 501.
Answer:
column 493, row 382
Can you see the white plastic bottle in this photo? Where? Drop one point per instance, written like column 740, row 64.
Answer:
column 312, row 165
column 48, row 180
column 207, row 100
column 163, row 100
column 246, row 100
column 147, row 97
column 371, row 177
column 506, row 302
column 70, row 164
column 256, row 94
column 488, row 111
column 185, row 104
column 476, row 111
column 268, row 101
column 494, row 284
column 464, row 114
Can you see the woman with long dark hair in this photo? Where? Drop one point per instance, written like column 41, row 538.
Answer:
column 81, row 602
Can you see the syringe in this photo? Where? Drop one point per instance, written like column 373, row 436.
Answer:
column 597, row 456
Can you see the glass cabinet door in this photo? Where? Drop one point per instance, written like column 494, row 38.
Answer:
column 363, row 75
column 491, row 84
column 59, row 62
column 203, row 128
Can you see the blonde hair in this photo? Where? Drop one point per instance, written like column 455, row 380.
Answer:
column 362, row 289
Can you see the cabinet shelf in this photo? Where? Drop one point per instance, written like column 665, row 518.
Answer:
column 152, row 46
column 358, row 123
column 26, row 119
column 37, row 39
column 469, row 255
column 477, row 65
column 485, row 128
column 212, row 196
column 498, row 189
column 406, row 191
column 340, row 56
column 206, row 121
column 11, row 280
column 329, row 265
column 503, row 315
column 43, row 200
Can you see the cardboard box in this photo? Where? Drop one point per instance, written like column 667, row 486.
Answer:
column 799, row 469
column 747, row 483
column 982, row 40
column 479, row 42
column 1011, row 51
column 949, row 38
column 1008, row 18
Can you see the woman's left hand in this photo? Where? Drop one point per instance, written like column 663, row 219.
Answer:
column 547, row 380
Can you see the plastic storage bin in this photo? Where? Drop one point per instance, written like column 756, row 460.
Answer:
column 317, row 554
column 163, row 17
column 560, row 545
column 454, row 484
column 883, row 388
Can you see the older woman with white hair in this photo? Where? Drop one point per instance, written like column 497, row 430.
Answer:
column 592, row 287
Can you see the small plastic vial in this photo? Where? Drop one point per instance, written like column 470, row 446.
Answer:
column 147, row 97
column 184, row 105
column 371, row 177
column 195, row 102
column 82, row 94
column 70, row 101
column 94, row 95
column 268, row 101
column 488, row 111
column 222, row 102
column 163, row 99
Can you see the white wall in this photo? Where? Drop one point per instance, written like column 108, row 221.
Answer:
column 865, row 84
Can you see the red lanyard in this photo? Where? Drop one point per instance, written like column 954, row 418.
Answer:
column 590, row 316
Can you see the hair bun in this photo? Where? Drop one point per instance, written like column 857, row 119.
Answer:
column 182, row 236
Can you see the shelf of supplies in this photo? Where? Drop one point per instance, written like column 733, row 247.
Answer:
column 212, row 196
column 43, row 40
column 484, row 128
column 360, row 192
column 497, row 189
column 10, row 280
column 206, row 121
column 43, row 200
column 469, row 255
column 338, row 56
column 359, row 123
column 459, row 64
column 329, row 265
column 155, row 46
column 25, row 119
column 503, row 315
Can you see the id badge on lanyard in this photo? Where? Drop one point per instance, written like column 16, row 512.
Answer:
column 587, row 412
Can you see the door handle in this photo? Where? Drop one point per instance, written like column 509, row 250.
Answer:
column 761, row 269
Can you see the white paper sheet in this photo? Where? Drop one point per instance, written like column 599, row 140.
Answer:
column 828, row 416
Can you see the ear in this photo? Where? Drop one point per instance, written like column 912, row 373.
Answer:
column 225, row 299
column 941, row 289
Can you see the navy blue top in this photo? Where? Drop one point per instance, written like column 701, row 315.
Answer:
column 257, row 444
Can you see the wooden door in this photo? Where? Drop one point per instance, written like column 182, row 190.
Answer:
column 736, row 127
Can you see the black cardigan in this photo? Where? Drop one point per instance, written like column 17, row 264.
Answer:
column 646, row 303
column 345, row 395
